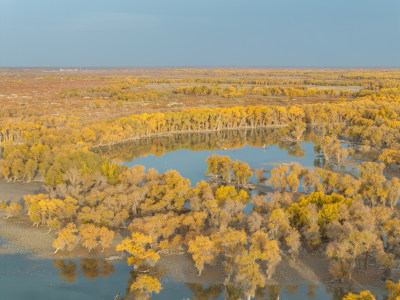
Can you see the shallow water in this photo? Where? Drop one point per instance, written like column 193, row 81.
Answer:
column 255, row 148
column 22, row 278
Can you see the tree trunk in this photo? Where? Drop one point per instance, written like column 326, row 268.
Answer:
column 366, row 261
column 386, row 273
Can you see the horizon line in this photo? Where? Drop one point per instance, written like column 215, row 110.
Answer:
column 197, row 67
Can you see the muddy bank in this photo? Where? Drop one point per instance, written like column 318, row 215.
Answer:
column 15, row 191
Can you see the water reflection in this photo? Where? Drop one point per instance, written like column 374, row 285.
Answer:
column 337, row 293
column 143, row 282
column 202, row 292
column 209, row 141
column 90, row 268
column 138, row 286
column 67, row 270
column 312, row 291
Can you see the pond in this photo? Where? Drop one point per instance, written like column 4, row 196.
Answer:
column 187, row 153
column 24, row 278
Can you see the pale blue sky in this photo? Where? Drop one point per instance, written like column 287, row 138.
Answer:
column 258, row 33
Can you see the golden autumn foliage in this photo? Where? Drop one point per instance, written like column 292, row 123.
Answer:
column 66, row 238
column 365, row 295
column 203, row 251
column 138, row 247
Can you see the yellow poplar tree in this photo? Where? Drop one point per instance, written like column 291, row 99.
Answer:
column 202, row 250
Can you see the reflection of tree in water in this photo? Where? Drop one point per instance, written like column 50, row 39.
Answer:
column 321, row 163
column 68, row 271
column 90, row 268
column 292, row 289
column 207, row 141
column 107, row 269
column 233, row 292
column 261, row 293
column 337, row 293
column 268, row 292
column 143, row 282
column 312, row 291
column 296, row 150
column 274, row 292
column 200, row 293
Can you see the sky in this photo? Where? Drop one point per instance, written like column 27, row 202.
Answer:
column 200, row 33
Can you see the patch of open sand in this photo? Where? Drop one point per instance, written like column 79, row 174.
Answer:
column 15, row 191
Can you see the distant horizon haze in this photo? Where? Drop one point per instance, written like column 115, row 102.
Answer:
column 200, row 34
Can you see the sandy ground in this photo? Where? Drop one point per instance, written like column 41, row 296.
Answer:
column 15, row 191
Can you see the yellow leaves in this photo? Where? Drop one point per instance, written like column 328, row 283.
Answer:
column 170, row 194
column 295, row 113
column 241, row 172
column 111, row 171
column 270, row 252
column 394, row 288
column 386, row 259
column 13, row 209
column 71, row 207
column 219, row 166
column 138, row 246
column 393, row 227
column 264, row 248
column 248, row 275
column 174, row 245
column 88, row 234
column 259, row 239
column 106, row 237
column 50, row 211
column 277, row 179
column 195, row 221
column 211, row 206
column 365, row 295
column 99, row 215
column 225, row 193
column 231, row 241
column 278, row 222
column 66, row 238
column 293, row 182
column 203, row 251
column 91, row 236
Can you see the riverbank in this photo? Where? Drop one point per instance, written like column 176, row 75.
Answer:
column 306, row 270
column 15, row 191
